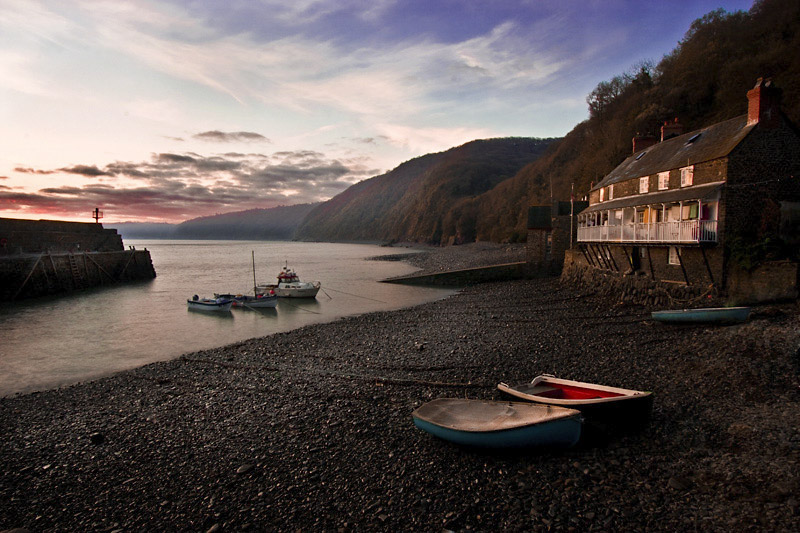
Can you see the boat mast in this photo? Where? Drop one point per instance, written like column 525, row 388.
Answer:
column 255, row 285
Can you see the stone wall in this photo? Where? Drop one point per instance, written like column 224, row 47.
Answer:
column 634, row 288
column 42, row 236
column 467, row 276
column 28, row 276
column 771, row 282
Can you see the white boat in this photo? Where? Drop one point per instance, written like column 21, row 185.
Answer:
column 290, row 286
column 210, row 304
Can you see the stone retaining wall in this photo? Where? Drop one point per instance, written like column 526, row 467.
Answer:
column 33, row 275
column 468, row 276
column 634, row 289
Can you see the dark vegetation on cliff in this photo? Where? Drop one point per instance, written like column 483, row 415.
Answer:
column 463, row 196
column 414, row 202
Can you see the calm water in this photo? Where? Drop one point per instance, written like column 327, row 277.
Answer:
column 48, row 343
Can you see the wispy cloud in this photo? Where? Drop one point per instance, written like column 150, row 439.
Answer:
column 226, row 137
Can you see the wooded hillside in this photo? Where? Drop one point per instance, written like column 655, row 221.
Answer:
column 477, row 191
column 415, row 201
column 703, row 81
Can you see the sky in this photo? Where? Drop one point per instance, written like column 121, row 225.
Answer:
column 163, row 111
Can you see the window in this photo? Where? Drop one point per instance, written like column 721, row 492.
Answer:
column 663, row 181
column 602, row 194
column 640, row 217
column 610, row 192
column 687, row 176
column 674, row 258
column 644, row 185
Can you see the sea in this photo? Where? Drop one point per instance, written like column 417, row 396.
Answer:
column 57, row 341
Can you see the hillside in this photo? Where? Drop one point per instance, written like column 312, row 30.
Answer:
column 457, row 196
column 703, row 81
column 277, row 223
column 414, row 201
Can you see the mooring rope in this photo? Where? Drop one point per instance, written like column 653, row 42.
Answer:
column 356, row 295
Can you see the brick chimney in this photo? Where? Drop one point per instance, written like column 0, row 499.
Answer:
column 671, row 129
column 640, row 142
column 764, row 104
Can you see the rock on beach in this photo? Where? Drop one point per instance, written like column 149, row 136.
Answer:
column 311, row 429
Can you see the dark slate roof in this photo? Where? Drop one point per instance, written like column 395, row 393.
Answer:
column 698, row 192
column 709, row 143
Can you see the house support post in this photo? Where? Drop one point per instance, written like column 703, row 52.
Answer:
column 708, row 267
column 680, row 260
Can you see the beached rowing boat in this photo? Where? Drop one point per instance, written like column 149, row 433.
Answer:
column 708, row 315
column 489, row 424
column 599, row 404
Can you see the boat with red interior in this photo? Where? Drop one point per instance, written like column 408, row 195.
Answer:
column 599, row 404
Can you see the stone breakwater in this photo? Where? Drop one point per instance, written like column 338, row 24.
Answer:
column 311, row 429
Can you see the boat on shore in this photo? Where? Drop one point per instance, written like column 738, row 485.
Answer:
column 708, row 315
column 217, row 305
column 491, row 424
column 601, row 405
column 290, row 286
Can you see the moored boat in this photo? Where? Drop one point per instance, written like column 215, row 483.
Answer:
column 707, row 315
column 290, row 286
column 209, row 304
column 601, row 405
column 491, row 424
column 260, row 301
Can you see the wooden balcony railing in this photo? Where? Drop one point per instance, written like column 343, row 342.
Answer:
column 684, row 231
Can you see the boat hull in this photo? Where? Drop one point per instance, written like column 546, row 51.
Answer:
column 251, row 302
column 304, row 290
column 711, row 315
column 605, row 408
column 208, row 305
column 485, row 424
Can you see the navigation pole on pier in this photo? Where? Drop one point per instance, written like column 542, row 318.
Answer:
column 97, row 215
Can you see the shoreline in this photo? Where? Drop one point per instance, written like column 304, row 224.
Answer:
column 311, row 429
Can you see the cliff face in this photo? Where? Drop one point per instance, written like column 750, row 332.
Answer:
column 419, row 200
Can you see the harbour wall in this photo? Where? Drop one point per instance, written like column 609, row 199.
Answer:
column 32, row 275
column 467, row 276
column 47, row 257
column 19, row 236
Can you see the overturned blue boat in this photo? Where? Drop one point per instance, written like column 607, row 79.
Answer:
column 490, row 424
column 708, row 315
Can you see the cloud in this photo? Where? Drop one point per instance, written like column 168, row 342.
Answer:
column 237, row 136
column 23, row 170
column 85, row 170
column 178, row 186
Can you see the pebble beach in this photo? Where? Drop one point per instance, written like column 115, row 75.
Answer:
column 311, row 430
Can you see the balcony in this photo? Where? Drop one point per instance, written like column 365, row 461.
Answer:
column 679, row 232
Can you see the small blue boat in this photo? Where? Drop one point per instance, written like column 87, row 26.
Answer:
column 708, row 315
column 490, row 424
column 209, row 304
